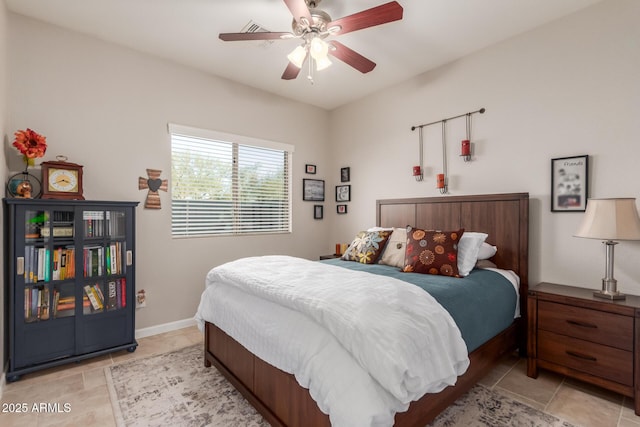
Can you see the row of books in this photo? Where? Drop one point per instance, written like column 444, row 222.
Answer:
column 116, row 296
column 101, row 260
column 36, row 303
column 36, row 300
column 100, row 223
column 43, row 264
column 38, row 224
column 64, row 306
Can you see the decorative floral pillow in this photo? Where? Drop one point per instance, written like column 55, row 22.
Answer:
column 394, row 252
column 432, row 251
column 367, row 246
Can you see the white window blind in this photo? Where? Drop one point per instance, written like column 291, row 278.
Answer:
column 225, row 184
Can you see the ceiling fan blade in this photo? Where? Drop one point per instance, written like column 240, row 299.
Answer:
column 299, row 10
column 351, row 57
column 291, row 72
column 378, row 15
column 231, row 37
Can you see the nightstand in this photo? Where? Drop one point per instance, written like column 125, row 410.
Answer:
column 573, row 333
column 332, row 256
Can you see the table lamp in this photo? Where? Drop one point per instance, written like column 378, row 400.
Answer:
column 610, row 220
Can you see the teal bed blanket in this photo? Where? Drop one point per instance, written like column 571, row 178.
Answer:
column 482, row 304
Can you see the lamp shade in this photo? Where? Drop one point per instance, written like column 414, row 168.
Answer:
column 318, row 48
column 298, row 56
column 610, row 219
column 322, row 63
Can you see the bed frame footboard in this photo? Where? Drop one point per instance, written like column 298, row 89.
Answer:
column 283, row 402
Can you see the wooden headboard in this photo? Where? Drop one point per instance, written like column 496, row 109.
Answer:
column 504, row 217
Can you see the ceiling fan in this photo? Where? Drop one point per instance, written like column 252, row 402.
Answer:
column 312, row 26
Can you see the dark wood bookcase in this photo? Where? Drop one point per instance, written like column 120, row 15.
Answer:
column 69, row 275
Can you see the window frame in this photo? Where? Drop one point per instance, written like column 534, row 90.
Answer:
column 236, row 141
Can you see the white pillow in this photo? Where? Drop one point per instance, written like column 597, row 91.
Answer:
column 485, row 263
column 487, row 251
column 394, row 251
column 468, row 249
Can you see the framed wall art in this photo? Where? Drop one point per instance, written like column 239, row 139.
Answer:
column 569, row 184
column 341, row 209
column 343, row 193
column 345, row 174
column 317, row 211
column 310, row 169
column 313, row 190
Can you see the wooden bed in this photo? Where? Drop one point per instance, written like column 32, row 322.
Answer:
column 504, row 217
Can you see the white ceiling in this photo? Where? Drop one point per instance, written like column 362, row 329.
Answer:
column 431, row 33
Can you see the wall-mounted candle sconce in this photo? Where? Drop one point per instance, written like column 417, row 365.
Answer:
column 465, row 150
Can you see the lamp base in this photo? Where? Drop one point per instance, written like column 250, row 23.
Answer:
column 609, row 286
column 609, row 295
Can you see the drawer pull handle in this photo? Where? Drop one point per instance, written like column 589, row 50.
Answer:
column 581, row 356
column 583, row 324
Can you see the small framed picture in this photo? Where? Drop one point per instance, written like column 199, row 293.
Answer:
column 310, row 169
column 345, row 174
column 569, row 184
column 313, row 190
column 341, row 209
column 318, row 211
column 343, row 193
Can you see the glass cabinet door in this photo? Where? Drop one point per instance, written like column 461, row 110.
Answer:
column 104, row 260
column 48, row 261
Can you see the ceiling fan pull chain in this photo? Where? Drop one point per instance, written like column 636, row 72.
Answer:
column 310, row 75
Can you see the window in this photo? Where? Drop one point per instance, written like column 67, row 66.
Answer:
column 224, row 184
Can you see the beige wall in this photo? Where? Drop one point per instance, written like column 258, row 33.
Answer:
column 568, row 88
column 107, row 108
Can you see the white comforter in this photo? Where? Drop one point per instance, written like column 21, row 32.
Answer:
column 364, row 345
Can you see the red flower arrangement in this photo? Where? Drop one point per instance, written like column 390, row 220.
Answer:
column 31, row 144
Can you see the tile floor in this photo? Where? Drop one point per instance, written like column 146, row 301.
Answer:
column 82, row 388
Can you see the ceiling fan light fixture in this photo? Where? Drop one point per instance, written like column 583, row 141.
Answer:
column 297, row 56
column 318, row 48
column 322, row 63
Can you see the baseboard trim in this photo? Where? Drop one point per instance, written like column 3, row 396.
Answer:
column 165, row 327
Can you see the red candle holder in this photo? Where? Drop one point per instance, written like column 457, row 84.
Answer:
column 465, row 151
column 417, row 173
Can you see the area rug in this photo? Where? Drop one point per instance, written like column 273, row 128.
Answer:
column 175, row 389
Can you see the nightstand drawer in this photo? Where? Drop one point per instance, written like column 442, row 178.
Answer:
column 591, row 325
column 599, row 360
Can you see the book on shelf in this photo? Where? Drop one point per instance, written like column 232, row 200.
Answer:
column 123, row 293
column 114, row 258
column 40, row 266
column 58, row 231
column 112, row 295
column 63, row 306
column 92, row 291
